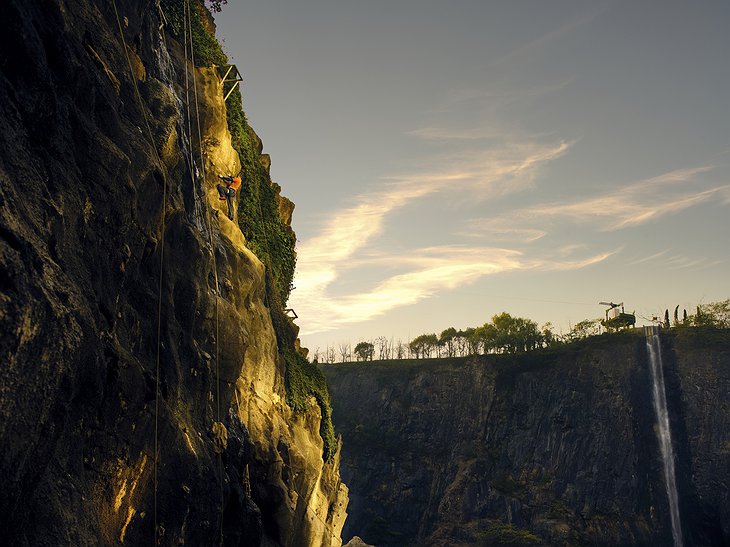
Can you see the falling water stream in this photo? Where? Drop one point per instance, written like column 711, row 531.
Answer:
column 653, row 346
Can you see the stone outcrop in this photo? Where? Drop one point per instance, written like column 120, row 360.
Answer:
column 357, row 542
column 141, row 389
column 552, row 448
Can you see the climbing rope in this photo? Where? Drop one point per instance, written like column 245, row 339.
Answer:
column 210, row 224
column 188, row 43
column 162, row 252
column 188, row 39
column 187, row 93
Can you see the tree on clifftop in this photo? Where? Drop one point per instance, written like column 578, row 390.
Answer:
column 345, row 352
column 584, row 329
column 515, row 334
column 422, row 346
column 715, row 314
column 487, row 337
column 471, row 336
column 364, row 351
column 447, row 340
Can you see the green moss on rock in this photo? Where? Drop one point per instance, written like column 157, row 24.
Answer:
column 506, row 534
column 304, row 380
column 206, row 49
column 267, row 234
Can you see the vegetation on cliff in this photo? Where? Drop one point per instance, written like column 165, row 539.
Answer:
column 267, row 234
column 507, row 534
column 141, row 382
column 206, row 49
column 305, row 380
column 506, row 334
column 714, row 314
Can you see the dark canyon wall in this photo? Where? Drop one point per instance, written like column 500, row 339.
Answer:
column 105, row 226
column 555, row 448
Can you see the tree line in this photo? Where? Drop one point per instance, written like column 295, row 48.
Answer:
column 503, row 334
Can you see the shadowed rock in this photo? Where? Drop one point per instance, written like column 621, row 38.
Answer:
column 88, row 270
column 554, row 447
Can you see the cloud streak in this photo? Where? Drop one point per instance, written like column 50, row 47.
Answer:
column 345, row 238
column 673, row 262
column 345, row 242
column 429, row 271
column 630, row 206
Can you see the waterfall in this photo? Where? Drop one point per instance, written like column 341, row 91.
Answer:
column 653, row 346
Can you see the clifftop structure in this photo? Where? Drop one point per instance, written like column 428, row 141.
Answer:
column 617, row 319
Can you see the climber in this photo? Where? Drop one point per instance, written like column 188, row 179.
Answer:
column 228, row 192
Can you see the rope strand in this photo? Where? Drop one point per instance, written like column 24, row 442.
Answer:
column 189, row 41
column 162, row 256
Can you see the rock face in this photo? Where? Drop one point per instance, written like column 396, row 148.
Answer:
column 554, row 448
column 141, row 391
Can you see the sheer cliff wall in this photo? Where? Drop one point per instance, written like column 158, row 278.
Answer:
column 109, row 221
column 553, row 448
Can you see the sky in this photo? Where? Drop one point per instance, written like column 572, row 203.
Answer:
column 453, row 160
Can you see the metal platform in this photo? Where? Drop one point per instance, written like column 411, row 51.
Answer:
column 230, row 76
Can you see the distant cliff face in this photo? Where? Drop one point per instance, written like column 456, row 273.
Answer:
column 554, row 448
column 107, row 226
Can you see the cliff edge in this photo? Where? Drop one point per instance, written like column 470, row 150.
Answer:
column 142, row 388
column 554, row 447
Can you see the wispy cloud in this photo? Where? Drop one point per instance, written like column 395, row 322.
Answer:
column 622, row 209
column 488, row 172
column 459, row 134
column 432, row 269
column 482, row 109
column 649, row 258
column 629, row 206
column 497, row 232
column 665, row 261
column 487, row 132
column 344, row 243
column 491, row 172
column 346, row 240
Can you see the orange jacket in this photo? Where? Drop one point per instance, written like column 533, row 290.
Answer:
column 235, row 183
